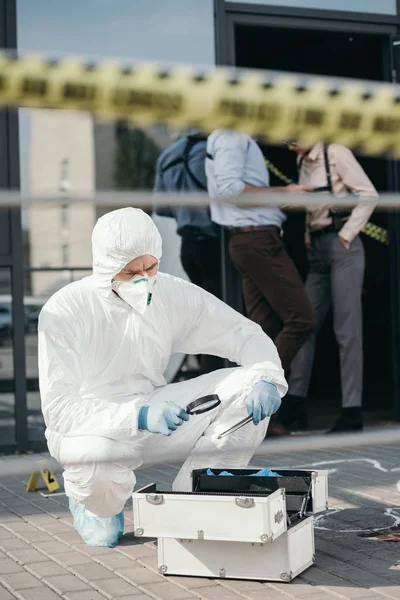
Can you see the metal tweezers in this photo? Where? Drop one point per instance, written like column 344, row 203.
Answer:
column 235, row 427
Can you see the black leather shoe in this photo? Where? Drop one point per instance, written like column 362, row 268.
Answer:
column 350, row 419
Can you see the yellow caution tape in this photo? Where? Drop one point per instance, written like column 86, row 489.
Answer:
column 273, row 169
column 374, row 231
column 48, row 477
column 276, row 106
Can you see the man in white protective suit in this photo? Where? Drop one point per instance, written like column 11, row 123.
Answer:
column 104, row 344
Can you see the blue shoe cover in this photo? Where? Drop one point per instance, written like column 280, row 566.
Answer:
column 97, row 531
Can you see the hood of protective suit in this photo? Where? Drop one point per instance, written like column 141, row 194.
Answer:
column 119, row 237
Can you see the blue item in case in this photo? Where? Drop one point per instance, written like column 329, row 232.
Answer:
column 263, row 473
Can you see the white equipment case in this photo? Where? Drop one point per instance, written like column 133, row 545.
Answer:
column 242, row 526
column 283, row 560
column 209, row 517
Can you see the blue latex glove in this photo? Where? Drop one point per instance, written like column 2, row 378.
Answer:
column 263, row 401
column 162, row 417
column 97, row 531
column 263, row 473
column 209, row 472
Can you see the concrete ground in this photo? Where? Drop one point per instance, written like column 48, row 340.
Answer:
column 43, row 558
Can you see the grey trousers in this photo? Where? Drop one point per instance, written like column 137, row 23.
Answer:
column 335, row 277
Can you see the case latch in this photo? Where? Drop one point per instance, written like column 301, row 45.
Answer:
column 155, row 499
column 278, row 517
column 244, row 502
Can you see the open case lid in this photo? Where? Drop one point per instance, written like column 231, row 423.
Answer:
column 306, row 491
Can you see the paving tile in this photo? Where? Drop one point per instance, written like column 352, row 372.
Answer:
column 42, row 518
column 353, row 574
column 5, row 594
column 299, row 589
column 69, row 536
column 377, row 596
column 217, row 592
column 116, row 561
column 72, row 558
column 9, row 518
column 51, row 546
column 27, row 556
column 93, row 572
column 20, row 581
column 138, row 550
column 34, row 536
column 388, row 591
column 324, row 596
column 5, row 534
column 373, row 563
column 9, row 566
column 66, row 583
column 332, row 582
column 46, row 569
column 14, row 543
column 117, row 587
column 59, row 513
column 92, row 550
column 245, row 586
column 192, row 583
column 88, row 595
column 140, row 575
column 275, row 594
column 139, row 596
column 38, row 593
column 55, row 526
column 21, row 526
column 25, row 510
column 149, row 561
column 167, row 591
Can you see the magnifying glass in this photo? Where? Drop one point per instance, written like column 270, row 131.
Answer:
column 203, row 404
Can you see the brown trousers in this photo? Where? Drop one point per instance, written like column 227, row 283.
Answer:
column 274, row 294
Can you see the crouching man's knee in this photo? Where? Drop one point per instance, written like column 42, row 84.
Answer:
column 99, row 490
column 91, row 479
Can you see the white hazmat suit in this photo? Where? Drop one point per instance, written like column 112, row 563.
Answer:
column 100, row 361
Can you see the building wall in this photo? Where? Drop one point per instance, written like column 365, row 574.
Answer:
column 104, row 150
column 60, row 236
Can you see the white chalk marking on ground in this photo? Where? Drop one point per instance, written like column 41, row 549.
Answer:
column 389, row 511
column 374, row 463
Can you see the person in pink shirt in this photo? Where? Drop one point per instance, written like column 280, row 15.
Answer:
column 336, row 273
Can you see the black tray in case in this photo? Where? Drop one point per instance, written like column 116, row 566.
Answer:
column 297, row 485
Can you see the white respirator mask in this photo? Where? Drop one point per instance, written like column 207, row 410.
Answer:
column 137, row 292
